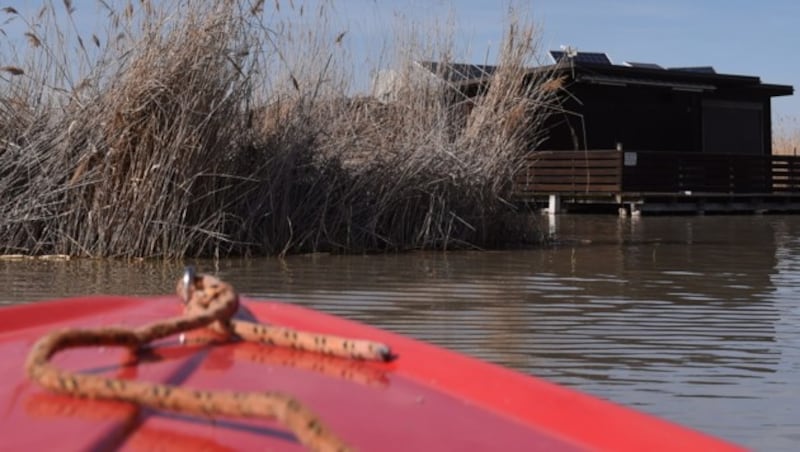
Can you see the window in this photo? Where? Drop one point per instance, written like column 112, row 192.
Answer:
column 733, row 127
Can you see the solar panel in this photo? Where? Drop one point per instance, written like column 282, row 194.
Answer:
column 582, row 57
column 472, row 71
column 457, row 72
column 642, row 65
column 699, row 69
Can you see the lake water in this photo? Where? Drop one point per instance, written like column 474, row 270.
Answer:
column 694, row 319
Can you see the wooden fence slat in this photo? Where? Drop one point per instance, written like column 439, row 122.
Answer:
column 603, row 171
column 555, row 188
column 570, row 172
column 537, row 172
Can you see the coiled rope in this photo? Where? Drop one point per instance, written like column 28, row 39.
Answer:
column 208, row 302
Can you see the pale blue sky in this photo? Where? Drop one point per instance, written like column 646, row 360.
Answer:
column 747, row 37
column 760, row 38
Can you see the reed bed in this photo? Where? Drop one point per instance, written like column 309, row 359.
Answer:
column 222, row 130
column 786, row 136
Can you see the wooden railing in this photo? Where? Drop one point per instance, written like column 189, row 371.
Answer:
column 604, row 172
column 570, row 172
column 785, row 174
column 673, row 172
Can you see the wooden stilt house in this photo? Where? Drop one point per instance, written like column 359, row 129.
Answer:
column 646, row 137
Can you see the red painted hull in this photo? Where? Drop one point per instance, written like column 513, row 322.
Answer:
column 427, row 399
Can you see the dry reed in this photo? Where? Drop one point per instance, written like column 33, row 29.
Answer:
column 207, row 131
column 786, row 136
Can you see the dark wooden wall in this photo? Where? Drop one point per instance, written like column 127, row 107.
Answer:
column 660, row 119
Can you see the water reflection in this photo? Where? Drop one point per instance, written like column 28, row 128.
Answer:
column 32, row 280
column 689, row 318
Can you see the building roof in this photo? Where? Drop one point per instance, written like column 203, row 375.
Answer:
column 458, row 72
column 702, row 78
column 597, row 68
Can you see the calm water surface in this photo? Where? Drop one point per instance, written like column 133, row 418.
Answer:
column 694, row 319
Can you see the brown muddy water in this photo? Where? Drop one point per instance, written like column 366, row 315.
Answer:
column 695, row 319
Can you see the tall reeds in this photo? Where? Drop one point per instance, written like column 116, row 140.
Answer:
column 786, row 136
column 213, row 130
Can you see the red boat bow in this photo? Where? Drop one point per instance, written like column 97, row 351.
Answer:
column 426, row 399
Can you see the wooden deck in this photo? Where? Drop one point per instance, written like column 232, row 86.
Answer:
column 662, row 181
